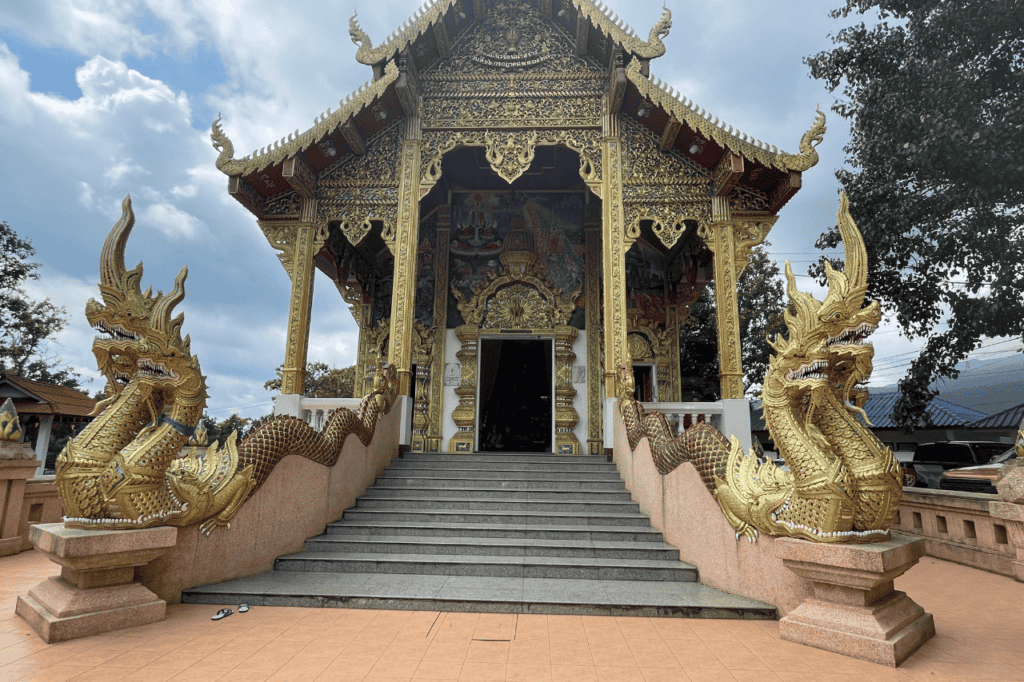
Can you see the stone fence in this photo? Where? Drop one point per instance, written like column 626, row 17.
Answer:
column 974, row 529
column 24, row 503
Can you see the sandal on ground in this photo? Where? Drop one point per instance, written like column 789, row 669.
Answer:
column 223, row 613
column 242, row 608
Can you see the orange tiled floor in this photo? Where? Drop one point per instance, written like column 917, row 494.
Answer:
column 979, row 618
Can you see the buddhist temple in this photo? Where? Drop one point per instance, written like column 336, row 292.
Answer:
column 513, row 206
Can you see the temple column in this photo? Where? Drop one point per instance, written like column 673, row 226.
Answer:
column 614, row 261
column 736, row 410
column 730, row 361
column 444, row 222
column 595, row 444
column 293, row 374
column 362, row 313
column 404, row 247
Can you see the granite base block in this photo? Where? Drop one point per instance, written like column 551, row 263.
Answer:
column 855, row 611
column 95, row 592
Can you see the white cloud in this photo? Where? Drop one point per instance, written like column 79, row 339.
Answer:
column 172, row 221
column 86, row 195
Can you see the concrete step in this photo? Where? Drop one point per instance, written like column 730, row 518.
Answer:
column 497, row 530
column 492, row 475
column 494, row 492
column 462, row 546
column 500, row 465
column 501, row 458
column 510, row 503
column 507, row 517
column 551, row 483
column 402, row 467
column 489, row 565
column 481, row 594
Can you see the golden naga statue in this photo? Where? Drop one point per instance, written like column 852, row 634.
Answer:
column 124, row 469
column 842, row 485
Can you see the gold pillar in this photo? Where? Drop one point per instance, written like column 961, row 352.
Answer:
column 672, row 325
column 595, row 435
column 363, row 314
column 464, row 415
column 406, row 239
column 440, row 330
column 293, row 374
column 730, row 361
column 566, row 417
column 614, row 246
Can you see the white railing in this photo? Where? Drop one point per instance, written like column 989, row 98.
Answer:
column 314, row 411
column 676, row 413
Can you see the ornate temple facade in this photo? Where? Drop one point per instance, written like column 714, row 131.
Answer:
column 513, row 207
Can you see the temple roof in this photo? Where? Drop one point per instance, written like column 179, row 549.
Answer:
column 425, row 41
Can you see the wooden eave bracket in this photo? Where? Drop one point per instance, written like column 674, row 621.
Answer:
column 299, row 175
column 729, row 170
column 406, row 87
column 353, row 137
column 785, row 190
column 582, row 33
column 245, row 194
column 617, row 83
column 479, row 10
column 444, row 45
column 669, row 135
column 545, row 9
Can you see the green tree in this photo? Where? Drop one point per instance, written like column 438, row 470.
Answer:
column 761, row 304
column 934, row 91
column 322, row 381
column 219, row 431
column 26, row 325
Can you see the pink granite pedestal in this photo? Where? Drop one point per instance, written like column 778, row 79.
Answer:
column 96, row 590
column 855, row 611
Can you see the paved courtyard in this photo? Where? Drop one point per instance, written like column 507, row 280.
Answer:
column 979, row 618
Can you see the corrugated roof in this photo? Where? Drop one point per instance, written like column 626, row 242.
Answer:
column 49, row 399
column 941, row 413
column 1009, row 418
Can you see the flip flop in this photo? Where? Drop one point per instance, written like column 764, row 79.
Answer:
column 242, row 608
column 223, row 613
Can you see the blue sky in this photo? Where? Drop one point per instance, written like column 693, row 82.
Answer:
column 99, row 98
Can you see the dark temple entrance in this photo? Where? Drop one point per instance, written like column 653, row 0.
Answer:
column 515, row 395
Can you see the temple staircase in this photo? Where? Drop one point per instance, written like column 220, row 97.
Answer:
column 498, row 532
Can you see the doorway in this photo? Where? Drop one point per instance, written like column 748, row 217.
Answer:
column 516, row 389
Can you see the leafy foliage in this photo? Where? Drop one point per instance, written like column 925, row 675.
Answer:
column 322, row 381
column 761, row 305
column 936, row 179
column 25, row 325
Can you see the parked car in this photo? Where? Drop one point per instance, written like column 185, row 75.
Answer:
column 932, row 459
column 904, row 454
column 976, row 479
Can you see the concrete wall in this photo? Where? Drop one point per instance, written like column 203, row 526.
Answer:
column 298, row 500
column 681, row 507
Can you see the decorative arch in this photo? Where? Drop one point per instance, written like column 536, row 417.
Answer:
column 518, row 297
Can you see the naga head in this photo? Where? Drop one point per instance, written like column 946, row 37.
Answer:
column 827, row 339
column 662, row 28
column 123, row 317
column 139, row 338
column 358, row 35
column 845, row 318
